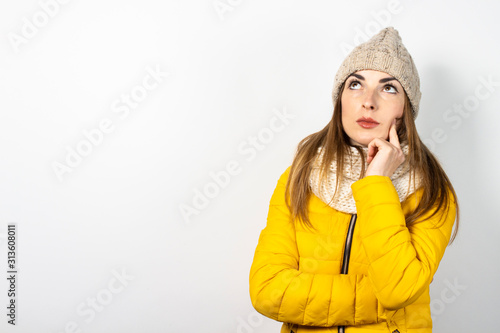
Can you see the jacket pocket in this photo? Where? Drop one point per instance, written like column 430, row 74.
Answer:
column 397, row 322
column 288, row 328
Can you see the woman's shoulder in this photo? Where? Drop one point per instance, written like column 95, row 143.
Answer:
column 284, row 175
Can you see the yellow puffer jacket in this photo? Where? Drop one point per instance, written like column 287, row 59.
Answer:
column 296, row 275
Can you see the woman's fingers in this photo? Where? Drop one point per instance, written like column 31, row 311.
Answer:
column 384, row 156
column 394, row 141
column 374, row 148
column 372, row 151
column 377, row 143
column 393, row 135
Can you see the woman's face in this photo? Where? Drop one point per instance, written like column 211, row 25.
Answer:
column 371, row 100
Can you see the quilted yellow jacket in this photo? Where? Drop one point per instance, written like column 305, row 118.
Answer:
column 295, row 277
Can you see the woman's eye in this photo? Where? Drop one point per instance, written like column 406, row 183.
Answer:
column 390, row 89
column 354, row 85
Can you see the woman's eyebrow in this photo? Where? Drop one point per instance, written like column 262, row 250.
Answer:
column 386, row 79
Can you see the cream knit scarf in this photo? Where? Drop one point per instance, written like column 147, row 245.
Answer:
column 344, row 200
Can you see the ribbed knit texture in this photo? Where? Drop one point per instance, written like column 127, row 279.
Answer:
column 384, row 52
column 344, row 200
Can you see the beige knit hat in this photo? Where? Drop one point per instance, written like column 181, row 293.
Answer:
column 384, row 52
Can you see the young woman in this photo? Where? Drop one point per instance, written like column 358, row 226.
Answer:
column 359, row 222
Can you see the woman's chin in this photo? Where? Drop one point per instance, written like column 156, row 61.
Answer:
column 363, row 142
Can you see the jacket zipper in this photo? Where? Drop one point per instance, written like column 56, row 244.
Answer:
column 347, row 253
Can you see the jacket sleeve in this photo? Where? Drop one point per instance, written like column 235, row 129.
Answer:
column 281, row 291
column 402, row 259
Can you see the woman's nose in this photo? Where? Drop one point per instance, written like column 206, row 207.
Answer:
column 369, row 101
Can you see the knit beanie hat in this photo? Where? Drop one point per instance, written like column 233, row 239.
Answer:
column 383, row 52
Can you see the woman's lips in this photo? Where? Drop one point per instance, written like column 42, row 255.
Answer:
column 367, row 122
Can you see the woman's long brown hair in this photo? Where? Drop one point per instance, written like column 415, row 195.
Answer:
column 435, row 183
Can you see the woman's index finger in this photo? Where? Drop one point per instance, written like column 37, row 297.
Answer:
column 393, row 135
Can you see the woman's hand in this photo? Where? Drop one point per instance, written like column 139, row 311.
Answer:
column 384, row 157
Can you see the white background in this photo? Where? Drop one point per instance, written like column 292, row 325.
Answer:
column 231, row 69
